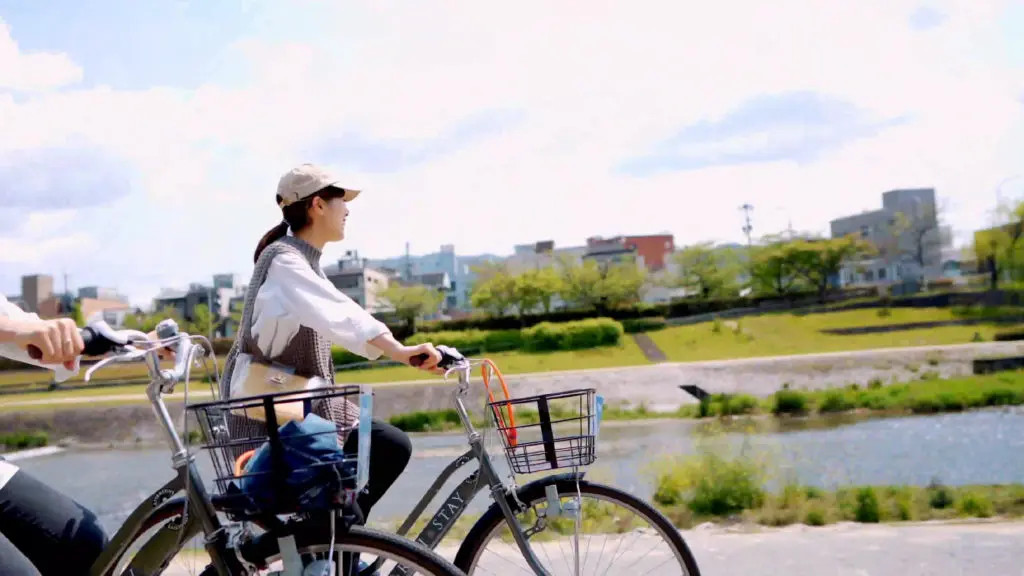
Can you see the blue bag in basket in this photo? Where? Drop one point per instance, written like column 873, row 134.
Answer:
column 316, row 468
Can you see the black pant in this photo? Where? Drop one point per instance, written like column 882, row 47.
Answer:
column 42, row 531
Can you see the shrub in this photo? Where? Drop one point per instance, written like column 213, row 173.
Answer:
column 425, row 421
column 24, row 440
column 342, row 356
column 637, row 325
column 814, row 517
column 835, row 401
column 975, row 505
column 478, row 340
column 572, row 335
column 732, row 404
column 789, row 402
column 710, row 485
column 867, row 509
column 940, row 497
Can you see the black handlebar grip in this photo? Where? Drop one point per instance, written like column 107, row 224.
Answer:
column 418, row 359
column 35, row 353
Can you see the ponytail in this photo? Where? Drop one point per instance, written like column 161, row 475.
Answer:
column 272, row 235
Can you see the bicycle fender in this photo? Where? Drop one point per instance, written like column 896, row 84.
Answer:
column 162, row 546
column 494, row 511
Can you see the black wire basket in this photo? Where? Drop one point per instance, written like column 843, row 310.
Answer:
column 291, row 477
column 548, row 431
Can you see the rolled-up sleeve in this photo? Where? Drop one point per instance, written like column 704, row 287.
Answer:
column 14, row 352
column 316, row 303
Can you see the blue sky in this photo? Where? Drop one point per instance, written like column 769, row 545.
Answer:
column 140, row 142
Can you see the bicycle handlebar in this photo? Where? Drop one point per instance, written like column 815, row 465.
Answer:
column 450, row 357
column 98, row 338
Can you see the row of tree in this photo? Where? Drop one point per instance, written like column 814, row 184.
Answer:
column 774, row 267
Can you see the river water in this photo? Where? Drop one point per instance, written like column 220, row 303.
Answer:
column 969, row 448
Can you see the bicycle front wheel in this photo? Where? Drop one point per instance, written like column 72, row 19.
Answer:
column 614, row 533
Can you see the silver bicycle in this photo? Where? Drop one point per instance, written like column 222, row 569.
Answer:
column 293, row 536
column 529, row 526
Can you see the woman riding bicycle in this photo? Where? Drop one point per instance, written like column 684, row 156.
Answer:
column 293, row 314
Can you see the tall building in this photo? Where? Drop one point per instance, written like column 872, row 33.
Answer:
column 458, row 268
column 35, row 290
column 910, row 246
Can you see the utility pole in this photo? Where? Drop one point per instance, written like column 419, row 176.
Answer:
column 747, row 226
column 408, row 264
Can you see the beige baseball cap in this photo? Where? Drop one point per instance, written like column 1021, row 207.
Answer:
column 307, row 179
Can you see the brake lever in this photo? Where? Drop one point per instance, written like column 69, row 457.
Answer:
column 131, row 353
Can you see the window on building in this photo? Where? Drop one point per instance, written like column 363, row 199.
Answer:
column 869, row 276
column 865, row 231
column 345, row 282
column 881, row 273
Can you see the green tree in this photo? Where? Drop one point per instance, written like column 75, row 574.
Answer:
column 76, row 314
column 494, row 289
column 1000, row 247
column 202, row 321
column 621, row 284
column 148, row 322
column 412, row 302
column 580, row 282
column 819, row 260
column 773, row 268
column 707, row 270
column 536, row 288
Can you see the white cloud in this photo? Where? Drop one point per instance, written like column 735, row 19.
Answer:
column 596, row 83
column 56, row 248
column 33, row 71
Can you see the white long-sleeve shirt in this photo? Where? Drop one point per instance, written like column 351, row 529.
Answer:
column 294, row 295
column 18, row 354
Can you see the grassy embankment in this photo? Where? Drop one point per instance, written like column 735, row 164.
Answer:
column 768, row 335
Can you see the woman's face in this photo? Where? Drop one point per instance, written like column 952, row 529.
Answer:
column 328, row 216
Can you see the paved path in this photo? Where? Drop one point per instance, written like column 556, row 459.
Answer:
column 859, row 550
column 969, row 549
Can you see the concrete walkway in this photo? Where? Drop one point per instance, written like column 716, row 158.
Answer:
column 968, row 549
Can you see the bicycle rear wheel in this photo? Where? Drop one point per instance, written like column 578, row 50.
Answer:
column 165, row 554
column 624, row 536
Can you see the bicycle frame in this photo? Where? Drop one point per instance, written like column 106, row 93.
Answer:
column 201, row 515
column 457, row 501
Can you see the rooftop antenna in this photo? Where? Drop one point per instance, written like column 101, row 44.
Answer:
column 747, row 226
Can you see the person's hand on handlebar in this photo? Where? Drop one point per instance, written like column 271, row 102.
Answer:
column 405, row 354
column 59, row 340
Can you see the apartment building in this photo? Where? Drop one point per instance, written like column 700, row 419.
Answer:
column 35, row 289
column 898, row 259
column 360, row 282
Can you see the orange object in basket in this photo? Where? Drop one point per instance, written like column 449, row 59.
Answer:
column 510, row 427
column 241, row 461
